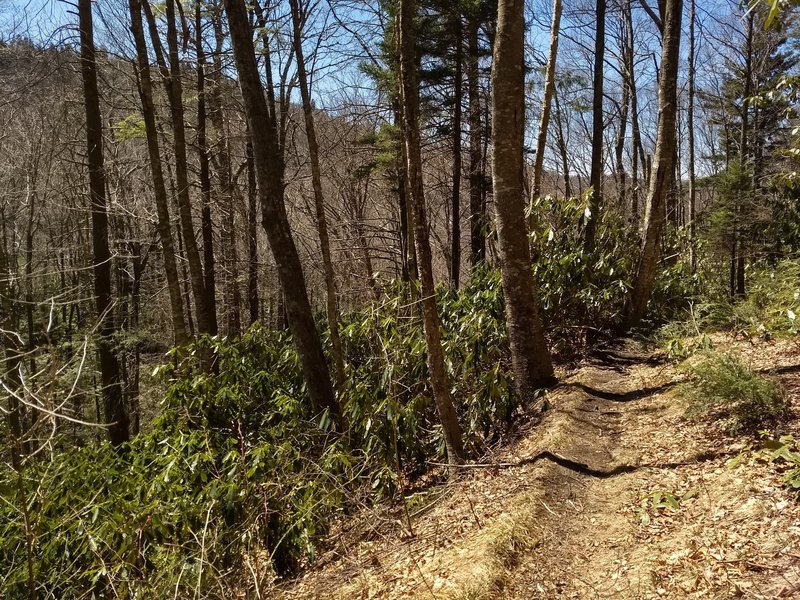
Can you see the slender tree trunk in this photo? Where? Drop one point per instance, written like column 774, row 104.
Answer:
column 207, row 225
column 252, row 245
column 562, row 147
column 431, row 325
column 596, row 175
column 205, row 322
column 690, row 132
column 406, row 235
column 529, row 354
column 619, row 148
column 743, row 192
column 637, row 155
column 662, row 165
column 274, row 218
column 319, row 199
column 159, row 188
column 116, row 414
column 455, row 199
column 549, row 90
column 477, row 218
column 229, row 192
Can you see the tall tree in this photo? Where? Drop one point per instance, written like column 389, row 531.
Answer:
column 455, row 198
column 663, row 164
column 331, row 302
column 409, row 93
column 181, row 335
column 477, row 211
column 529, row 354
column 690, row 135
column 596, row 173
column 549, row 90
column 116, row 413
column 204, row 160
column 274, row 219
column 206, row 318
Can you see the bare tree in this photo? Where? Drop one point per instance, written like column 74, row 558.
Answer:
column 116, row 414
column 331, row 302
column 409, row 93
column 596, row 173
column 549, row 90
column 274, row 219
column 663, row 164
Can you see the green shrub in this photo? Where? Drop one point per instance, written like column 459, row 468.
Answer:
column 236, row 465
column 725, row 389
column 772, row 305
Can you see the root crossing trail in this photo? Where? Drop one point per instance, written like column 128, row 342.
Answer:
column 614, row 495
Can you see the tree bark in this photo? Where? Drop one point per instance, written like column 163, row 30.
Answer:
column 529, row 354
column 477, row 218
column 410, row 103
column 562, row 148
column 455, row 199
column 207, row 225
column 115, row 411
column 637, row 154
column 274, row 218
column 742, row 193
column 596, row 173
column 252, row 233
column 619, row 147
column 549, row 89
column 662, row 169
column 690, row 134
column 332, row 295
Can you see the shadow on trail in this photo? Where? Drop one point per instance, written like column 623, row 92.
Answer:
column 623, row 396
column 584, row 469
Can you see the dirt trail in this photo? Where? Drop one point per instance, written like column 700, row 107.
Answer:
column 613, row 495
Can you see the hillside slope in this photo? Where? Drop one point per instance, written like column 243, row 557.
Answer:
column 614, row 495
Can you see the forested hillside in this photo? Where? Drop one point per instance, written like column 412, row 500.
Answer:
column 270, row 269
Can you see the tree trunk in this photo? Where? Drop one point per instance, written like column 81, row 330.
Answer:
column 619, row 149
column 433, row 342
column 690, row 132
column 252, row 239
column 319, row 199
column 596, row 173
column 529, row 355
column 229, row 192
column 159, row 188
column 562, row 147
column 637, row 155
column 205, row 322
column 662, row 165
column 742, row 194
column 477, row 218
column 207, row 225
column 455, row 199
column 115, row 412
column 549, row 89
column 274, row 218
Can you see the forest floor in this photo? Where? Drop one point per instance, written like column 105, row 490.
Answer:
column 615, row 494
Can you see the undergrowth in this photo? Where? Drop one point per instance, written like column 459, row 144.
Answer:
column 237, row 481
column 725, row 389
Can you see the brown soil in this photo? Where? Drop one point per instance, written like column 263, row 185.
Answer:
column 570, row 509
